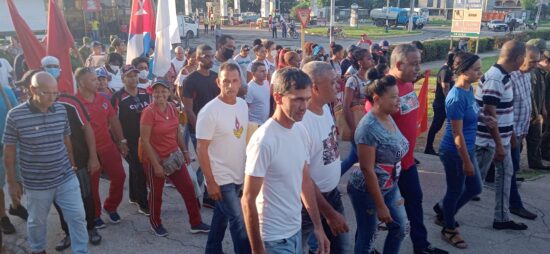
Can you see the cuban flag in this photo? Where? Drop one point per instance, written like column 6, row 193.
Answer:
column 141, row 31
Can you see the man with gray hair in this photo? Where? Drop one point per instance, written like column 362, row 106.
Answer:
column 495, row 96
column 324, row 158
column 179, row 60
column 41, row 129
column 405, row 66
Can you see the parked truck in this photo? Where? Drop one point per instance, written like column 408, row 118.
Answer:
column 398, row 17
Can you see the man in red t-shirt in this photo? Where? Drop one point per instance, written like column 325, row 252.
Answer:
column 405, row 66
column 104, row 122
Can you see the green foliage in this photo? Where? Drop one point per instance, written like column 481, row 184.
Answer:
column 298, row 5
column 529, row 4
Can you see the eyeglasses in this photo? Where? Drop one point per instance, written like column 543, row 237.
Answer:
column 52, row 94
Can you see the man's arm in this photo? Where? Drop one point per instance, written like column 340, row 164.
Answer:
column 491, row 110
column 116, row 130
column 9, row 165
column 214, row 191
column 252, row 187
column 69, row 146
column 93, row 161
column 188, row 107
column 335, row 220
column 310, row 203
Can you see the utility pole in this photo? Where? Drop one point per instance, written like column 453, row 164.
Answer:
column 538, row 13
column 411, row 16
column 331, row 26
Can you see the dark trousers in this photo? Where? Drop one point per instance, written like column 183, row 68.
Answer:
column 87, row 198
column 534, row 138
column 545, row 140
column 437, row 123
column 515, row 198
column 205, row 28
column 409, row 185
column 274, row 33
column 137, row 182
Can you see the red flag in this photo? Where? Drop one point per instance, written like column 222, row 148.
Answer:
column 33, row 51
column 60, row 41
column 422, row 124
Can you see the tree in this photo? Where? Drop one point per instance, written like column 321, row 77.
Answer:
column 529, row 4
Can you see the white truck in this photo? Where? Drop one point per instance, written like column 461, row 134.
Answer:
column 188, row 27
column 33, row 12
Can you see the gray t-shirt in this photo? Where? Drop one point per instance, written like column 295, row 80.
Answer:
column 257, row 98
column 391, row 147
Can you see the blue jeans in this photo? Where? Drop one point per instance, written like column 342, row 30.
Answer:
column 67, row 196
column 291, row 245
column 460, row 188
column 409, row 185
column 351, row 159
column 515, row 198
column 367, row 220
column 228, row 209
column 339, row 244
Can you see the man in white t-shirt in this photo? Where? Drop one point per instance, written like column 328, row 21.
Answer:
column 243, row 58
column 258, row 94
column 277, row 176
column 324, row 160
column 179, row 60
column 6, row 73
column 221, row 142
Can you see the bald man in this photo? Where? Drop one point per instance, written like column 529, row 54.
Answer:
column 495, row 96
column 41, row 129
column 179, row 60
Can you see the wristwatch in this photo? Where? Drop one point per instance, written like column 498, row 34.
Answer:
column 123, row 141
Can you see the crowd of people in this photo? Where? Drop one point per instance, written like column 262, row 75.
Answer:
column 266, row 128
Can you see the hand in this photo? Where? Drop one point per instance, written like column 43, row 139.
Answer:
column 322, row 240
column 384, row 214
column 500, row 154
column 93, row 164
column 214, row 191
column 186, row 158
column 158, row 170
column 468, row 168
column 490, row 122
column 337, row 223
column 15, row 192
column 513, row 141
column 123, row 148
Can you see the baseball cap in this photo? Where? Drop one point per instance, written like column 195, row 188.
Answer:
column 363, row 35
column 245, row 48
column 101, row 72
column 385, row 44
column 375, row 46
column 127, row 69
column 160, row 82
column 49, row 60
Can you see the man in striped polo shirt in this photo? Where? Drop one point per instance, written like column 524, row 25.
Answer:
column 41, row 129
column 495, row 96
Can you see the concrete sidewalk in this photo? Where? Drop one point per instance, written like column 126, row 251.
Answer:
column 133, row 234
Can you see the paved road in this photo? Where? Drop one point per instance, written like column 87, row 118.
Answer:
column 133, row 234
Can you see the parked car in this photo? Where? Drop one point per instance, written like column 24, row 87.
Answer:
column 188, row 28
column 497, row 25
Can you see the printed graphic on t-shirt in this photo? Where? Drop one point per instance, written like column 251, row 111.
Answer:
column 104, row 105
column 238, row 131
column 330, row 147
column 409, row 102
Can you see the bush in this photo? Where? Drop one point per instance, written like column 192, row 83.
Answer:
column 485, row 45
column 540, row 34
column 435, row 50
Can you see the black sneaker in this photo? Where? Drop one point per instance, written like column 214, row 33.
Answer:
column 114, row 217
column 159, row 231
column 132, row 201
column 99, row 224
column 476, row 198
column 20, row 212
column 512, row 225
column 201, row 228
column 95, row 237
column 208, row 203
column 63, row 244
column 144, row 210
column 430, row 151
column 431, row 250
column 417, row 162
column 6, row 226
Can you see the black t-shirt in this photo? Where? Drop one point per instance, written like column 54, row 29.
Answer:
column 128, row 109
column 202, row 89
column 345, row 64
column 78, row 117
column 445, row 75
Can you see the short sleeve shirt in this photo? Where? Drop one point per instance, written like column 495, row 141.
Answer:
column 164, row 128
column 78, row 117
column 202, row 89
column 129, row 108
column 390, row 146
column 445, row 75
column 258, row 97
column 359, row 86
column 460, row 105
column 100, row 110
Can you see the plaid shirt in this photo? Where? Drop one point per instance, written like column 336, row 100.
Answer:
column 521, row 83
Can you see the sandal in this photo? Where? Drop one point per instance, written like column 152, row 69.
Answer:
column 449, row 236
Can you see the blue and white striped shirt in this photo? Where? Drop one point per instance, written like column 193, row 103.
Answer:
column 43, row 157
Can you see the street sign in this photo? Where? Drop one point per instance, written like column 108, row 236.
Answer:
column 303, row 16
column 467, row 18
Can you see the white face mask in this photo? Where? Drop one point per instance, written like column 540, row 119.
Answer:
column 143, row 74
column 115, row 68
